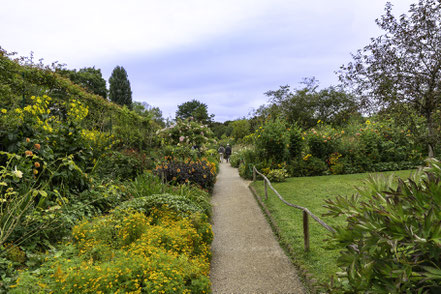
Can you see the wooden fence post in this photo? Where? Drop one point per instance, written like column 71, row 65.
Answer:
column 266, row 189
column 254, row 174
column 306, row 230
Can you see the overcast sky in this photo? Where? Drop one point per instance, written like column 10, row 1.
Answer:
column 225, row 53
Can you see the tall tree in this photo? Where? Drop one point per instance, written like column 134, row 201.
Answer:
column 119, row 87
column 89, row 78
column 307, row 105
column 403, row 65
column 195, row 109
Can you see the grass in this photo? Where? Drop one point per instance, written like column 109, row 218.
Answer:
column 311, row 192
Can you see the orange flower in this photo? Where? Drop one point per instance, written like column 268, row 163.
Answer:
column 28, row 153
column 28, row 140
column 174, row 178
column 178, row 170
column 37, row 164
column 35, row 171
column 37, row 146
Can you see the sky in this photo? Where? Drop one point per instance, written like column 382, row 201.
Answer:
column 224, row 53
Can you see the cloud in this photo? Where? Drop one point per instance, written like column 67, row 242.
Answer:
column 224, row 53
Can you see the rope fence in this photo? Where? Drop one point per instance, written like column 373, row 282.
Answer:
column 306, row 211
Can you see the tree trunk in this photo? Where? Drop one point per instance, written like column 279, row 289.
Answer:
column 430, row 135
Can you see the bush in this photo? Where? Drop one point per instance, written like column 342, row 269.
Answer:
column 200, row 172
column 392, row 236
column 245, row 155
column 187, row 133
column 295, row 141
column 179, row 204
column 148, row 184
column 322, row 143
column 121, row 165
column 277, row 175
column 272, row 141
column 127, row 251
column 307, row 166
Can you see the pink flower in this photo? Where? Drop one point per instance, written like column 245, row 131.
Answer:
column 181, row 138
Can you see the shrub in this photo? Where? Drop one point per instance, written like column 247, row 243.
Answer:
column 307, row 166
column 187, row 133
column 179, row 204
column 245, row 155
column 148, row 184
column 272, row 140
column 121, row 165
column 200, row 172
column 277, row 175
column 295, row 141
column 391, row 236
column 322, row 143
column 126, row 251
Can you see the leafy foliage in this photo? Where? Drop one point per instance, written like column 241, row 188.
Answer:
column 307, row 105
column 187, row 133
column 392, row 236
column 200, row 172
column 402, row 65
column 194, row 110
column 89, row 78
column 127, row 251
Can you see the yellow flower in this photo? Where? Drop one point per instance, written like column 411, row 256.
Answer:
column 4, row 110
column 368, row 122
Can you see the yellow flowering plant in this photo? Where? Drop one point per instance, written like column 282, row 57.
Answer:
column 127, row 252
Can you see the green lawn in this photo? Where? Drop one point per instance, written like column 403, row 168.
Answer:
column 310, row 192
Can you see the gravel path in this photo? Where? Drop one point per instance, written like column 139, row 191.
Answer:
column 246, row 256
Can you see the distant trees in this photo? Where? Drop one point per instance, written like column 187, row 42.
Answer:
column 403, row 65
column 144, row 109
column 307, row 105
column 119, row 87
column 241, row 128
column 195, row 109
column 90, row 78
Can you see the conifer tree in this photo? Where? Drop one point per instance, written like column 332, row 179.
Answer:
column 119, row 87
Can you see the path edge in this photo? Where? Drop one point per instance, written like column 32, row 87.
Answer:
column 308, row 279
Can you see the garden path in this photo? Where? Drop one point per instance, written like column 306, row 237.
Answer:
column 246, row 255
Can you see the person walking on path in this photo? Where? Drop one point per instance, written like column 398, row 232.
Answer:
column 227, row 153
column 221, row 151
column 246, row 255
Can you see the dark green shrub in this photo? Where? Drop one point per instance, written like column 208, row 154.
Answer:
column 321, row 146
column 277, row 175
column 179, row 204
column 121, row 165
column 307, row 166
column 272, row 140
column 295, row 141
column 245, row 155
column 200, row 172
column 391, row 236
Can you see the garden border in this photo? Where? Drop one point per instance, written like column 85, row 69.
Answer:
column 311, row 283
column 306, row 211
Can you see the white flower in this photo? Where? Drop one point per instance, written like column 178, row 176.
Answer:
column 17, row 173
